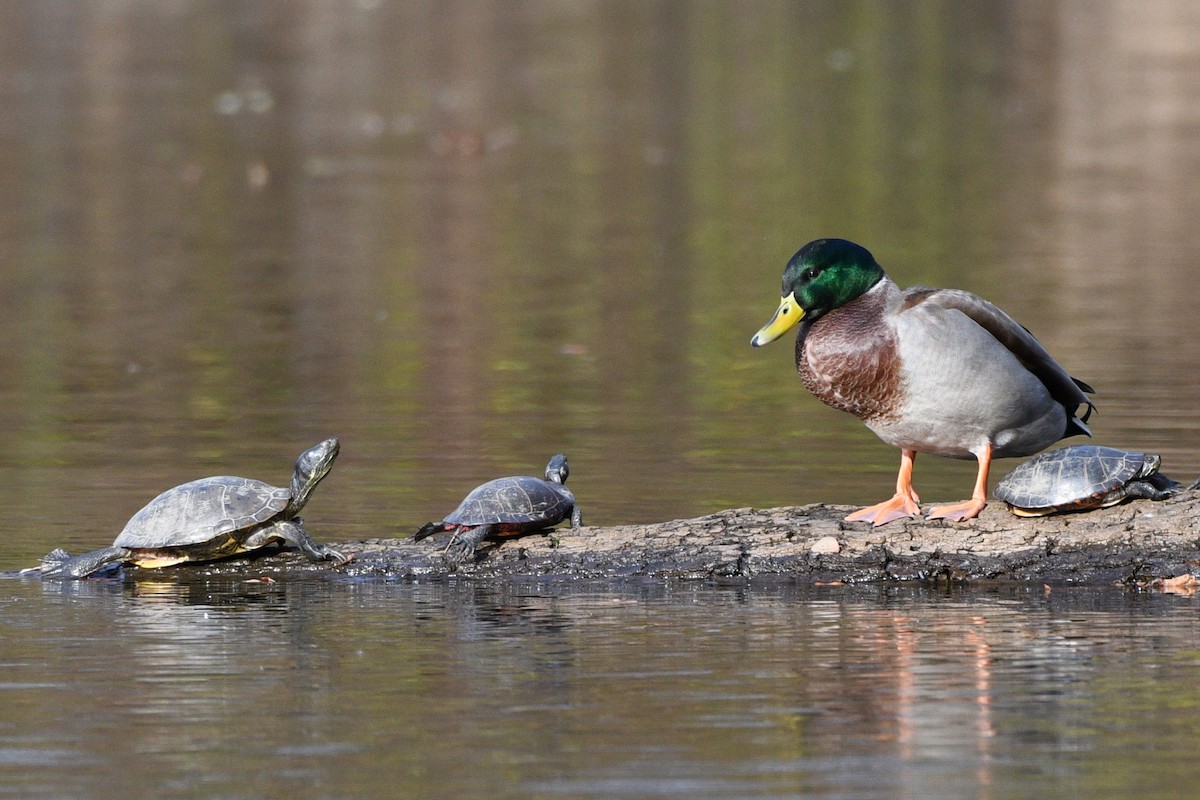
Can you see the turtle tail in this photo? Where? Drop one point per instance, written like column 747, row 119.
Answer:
column 58, row 564
column 427, row 530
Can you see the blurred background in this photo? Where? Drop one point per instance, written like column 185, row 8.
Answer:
column 464, row 236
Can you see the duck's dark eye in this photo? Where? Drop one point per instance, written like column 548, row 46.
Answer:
column 811, row 273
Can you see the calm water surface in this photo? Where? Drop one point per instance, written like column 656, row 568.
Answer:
column 463, row 236
column 335, row 689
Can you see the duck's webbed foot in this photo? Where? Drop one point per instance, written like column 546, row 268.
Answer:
column 900, row 506
column 969, row 509
column 904, row 503
column 959, row 512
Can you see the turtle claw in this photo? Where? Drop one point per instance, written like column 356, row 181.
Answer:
column 461, row 547
column 339, row 558
column 459, row 552
column 463, row 544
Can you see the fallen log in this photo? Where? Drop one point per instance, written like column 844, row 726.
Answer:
column 1135, row 543
column 1140, row 543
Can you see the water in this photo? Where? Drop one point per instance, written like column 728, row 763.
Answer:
column 334, row 688
column 465, row 236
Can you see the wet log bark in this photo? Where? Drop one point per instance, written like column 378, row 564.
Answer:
column 1136, row 543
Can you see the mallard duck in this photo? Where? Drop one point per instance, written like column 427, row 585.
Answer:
column 938, row 371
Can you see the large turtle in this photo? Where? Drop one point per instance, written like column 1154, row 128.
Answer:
column 508, row 507
column 208, row 519
column 1082, row 477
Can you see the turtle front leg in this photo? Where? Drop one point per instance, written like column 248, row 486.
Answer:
column 58, row 564
column 1155, row 487
column 292, row 532
column 464, row 541
column 576, row 517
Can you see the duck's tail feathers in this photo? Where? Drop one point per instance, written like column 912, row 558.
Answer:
column 1077, row 426
column 1083, row 387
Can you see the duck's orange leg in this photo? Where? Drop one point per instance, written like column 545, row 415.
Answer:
column 904, row 503
column 969, row 509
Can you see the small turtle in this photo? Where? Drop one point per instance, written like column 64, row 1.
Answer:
column 1082, row 477
column 208, row 519
column 508, row 507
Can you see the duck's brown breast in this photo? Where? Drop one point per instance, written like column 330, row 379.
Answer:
column 849, row 359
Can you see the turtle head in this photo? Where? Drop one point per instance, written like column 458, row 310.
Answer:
column 312, row 465
column 821, row 276
column 556, row 470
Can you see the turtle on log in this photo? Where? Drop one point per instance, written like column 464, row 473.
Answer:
column 208, row 519
column 507, row 507
column 1083, row 477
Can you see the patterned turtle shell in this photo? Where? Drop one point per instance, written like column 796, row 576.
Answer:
column 202, row 510
column 1083, row 477
column 516, row 501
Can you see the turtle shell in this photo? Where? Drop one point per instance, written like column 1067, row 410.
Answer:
column 202, row 510
column 520, row 500
column 1075, row 477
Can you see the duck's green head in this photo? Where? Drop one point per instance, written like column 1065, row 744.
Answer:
column 823, row 275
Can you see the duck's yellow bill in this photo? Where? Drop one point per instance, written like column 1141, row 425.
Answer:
column 786, row 317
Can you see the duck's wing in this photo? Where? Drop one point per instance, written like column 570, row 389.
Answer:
column 1020, row 342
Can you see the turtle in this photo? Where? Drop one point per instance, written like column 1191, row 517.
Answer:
column 210, row 518
column 507, row 507
column 1083, row 477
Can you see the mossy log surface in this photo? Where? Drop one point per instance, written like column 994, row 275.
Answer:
column 1136, row 543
